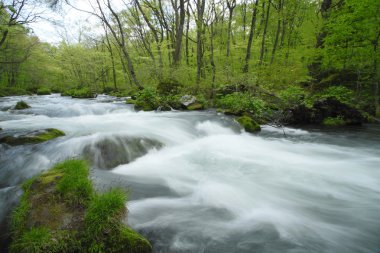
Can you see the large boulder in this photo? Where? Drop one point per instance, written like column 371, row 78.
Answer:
column 187, row 100
column 327, row 112
column 32, row 137
column 110, row 152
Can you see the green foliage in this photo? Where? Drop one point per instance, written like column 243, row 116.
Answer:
column 21, row 105
column 332, row 122
column 238, row 103
column 168, row 86
column 79, row 93
column 12, row 91
column 74, row 187
column 340, row 93
column 293, row 95
column 43, row 91
column 249, row 124
column 147, row 100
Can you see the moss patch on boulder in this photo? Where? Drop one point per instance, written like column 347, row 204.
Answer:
column 43, row 91
column 334, row 122
column 21, row 105
column 33, row 137
column 248, row 124
column 195, row 106
column 59, row 212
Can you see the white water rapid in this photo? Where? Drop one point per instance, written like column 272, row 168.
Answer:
column 198, row 183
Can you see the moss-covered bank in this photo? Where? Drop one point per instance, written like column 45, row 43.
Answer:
column 59, row 212
column 33, row 137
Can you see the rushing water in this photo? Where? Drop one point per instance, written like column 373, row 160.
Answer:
column 199, row 184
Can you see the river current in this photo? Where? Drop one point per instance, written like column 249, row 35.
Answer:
column 198, row 183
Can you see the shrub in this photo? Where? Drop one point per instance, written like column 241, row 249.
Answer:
column 341, row 93
column 82, row 93
column 147, row 100
column 169, row 86
column 293, row 95
column 237, row 103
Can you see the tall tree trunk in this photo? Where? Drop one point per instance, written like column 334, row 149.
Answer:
column 199, row 21
column 187, row 35
column 231, row 6
column 262, row 51
column 179, row 33
column 279, row 12
column 244, row 14
column 250, row 39
column 212, row 62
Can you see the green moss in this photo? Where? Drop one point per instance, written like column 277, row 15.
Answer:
column 130, row 101
column 195, row 106
column 59, row 212
column 21, row 105
column 331, row 122
column 249, row 124
column 36, row 137
column 43, row 91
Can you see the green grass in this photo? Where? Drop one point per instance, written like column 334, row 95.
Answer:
column 105, row 211
column 74, row 186
column 21, row 105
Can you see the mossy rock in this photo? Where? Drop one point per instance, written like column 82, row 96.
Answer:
column 249, row 124
column 334, row 122
column 195, row 106
column 21, row 105
column 130, row 101
column 33, row 137
column 60, row 212
column 43, row 91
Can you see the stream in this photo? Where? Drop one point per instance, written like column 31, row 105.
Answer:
column 198, row 183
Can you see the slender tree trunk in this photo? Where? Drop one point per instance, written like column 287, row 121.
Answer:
column 199, row 21
column 277, row 32
column 250, row 39
column 212, row 62
column 187, row 35
column 231, row 6
column 179, row 33
column 262, row 52
column 244, row 14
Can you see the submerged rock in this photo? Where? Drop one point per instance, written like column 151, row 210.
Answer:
column 111, row 152
column 21, row 105
column 59, row 212
column 249, row 124
column 32, row 137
